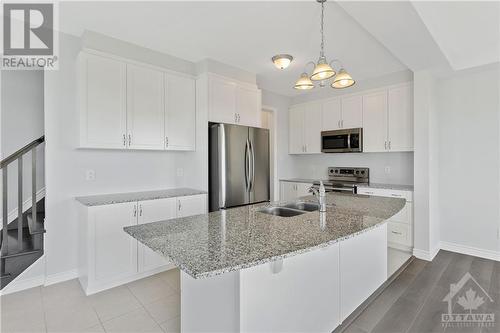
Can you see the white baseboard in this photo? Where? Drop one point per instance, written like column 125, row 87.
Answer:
column 61, row 277
column 472, row 251
column 26, row 205
column 426, row 255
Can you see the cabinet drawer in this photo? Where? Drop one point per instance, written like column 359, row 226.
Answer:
column 404, row 215
column 408, row 195
column 398, row 233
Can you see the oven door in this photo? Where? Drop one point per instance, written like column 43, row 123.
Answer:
column 342, row 141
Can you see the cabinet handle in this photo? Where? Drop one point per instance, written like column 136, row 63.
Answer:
column 239, row 118
column 342, row 123
column 389, row 145
column 129, row 139
column 135, row 210
column 180, row 205
column 124, row 140
column 140, row 210
column 367, row 192
column 385, row 145
column 166, row 141
column 396, row 195
column 396, row 233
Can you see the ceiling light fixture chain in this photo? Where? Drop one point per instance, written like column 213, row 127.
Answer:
column 322, row 69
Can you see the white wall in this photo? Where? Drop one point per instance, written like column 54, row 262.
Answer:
column 22, row 122
column 115, row 171
column 426, row 165
column 400, row 165
column 469, row 109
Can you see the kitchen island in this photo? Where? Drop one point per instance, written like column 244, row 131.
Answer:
column 244, row 270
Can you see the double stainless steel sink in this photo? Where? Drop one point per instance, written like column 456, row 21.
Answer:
column 291, row 209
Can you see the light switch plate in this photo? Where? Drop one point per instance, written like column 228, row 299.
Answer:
column 387, row 170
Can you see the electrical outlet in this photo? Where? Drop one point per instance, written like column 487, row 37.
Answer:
column 387, row 169
column 90, row 175
column 180, row 172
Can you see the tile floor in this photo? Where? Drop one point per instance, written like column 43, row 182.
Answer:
column 147, row 305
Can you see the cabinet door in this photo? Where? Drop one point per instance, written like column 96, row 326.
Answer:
column 312, row 128
column 180, row 115
column 400, row 118
column 153, row 211
column 332, row 114
column 375, row 122
column 303, row 189
column 191, row 205
column 248, row 106
column 145, row 108
column 115, row 251
column 363, row 267
column 288, row 191
column 222, row 101
column 103, row 118
column 295, row 130
column 352, row 112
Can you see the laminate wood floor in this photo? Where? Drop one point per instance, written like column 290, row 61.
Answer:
column 414, row 301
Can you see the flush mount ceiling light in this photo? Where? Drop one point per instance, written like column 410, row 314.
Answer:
column 322, row 69
column 282, row 61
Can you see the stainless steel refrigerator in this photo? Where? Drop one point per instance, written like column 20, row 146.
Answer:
column 238, row 165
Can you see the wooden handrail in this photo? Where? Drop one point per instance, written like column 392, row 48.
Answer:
column 21, row 151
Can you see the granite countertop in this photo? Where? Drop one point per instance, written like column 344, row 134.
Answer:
column 229, row 240
column 107, row 199
column 398, row 187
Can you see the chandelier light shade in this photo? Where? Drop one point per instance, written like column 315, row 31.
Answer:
column 282, row 61
column 322, row 69
column 342, row 80
column 304, row 82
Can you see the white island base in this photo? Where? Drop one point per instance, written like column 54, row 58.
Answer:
column 309, row 292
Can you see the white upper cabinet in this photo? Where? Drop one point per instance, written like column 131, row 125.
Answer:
column 222, row 101
column 332, row 114
column 133, row 106
column 400, row 118
column 180, row 113
column 296, row 130
column 248, row 106
column 352, row 112
column 305, row 129
column 312, row 128
column 145, row 108
column 375, row 122
column 232, row 102
column 103, row 115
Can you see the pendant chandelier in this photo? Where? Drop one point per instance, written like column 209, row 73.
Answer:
column 322, row 69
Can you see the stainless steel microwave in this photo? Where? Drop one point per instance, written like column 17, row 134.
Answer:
column 342, row 141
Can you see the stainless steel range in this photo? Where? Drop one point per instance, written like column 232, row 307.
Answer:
column 345, row 179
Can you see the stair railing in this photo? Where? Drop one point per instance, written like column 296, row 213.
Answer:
column 18, row 155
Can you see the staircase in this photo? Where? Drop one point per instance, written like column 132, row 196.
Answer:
column 22, row 239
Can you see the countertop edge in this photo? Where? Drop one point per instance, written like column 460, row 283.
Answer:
column 266, row 260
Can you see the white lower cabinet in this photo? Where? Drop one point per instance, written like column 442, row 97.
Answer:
column 293, row 190
column 110, row 257
column 363, row 268
column 152, row 211
column 400, row 226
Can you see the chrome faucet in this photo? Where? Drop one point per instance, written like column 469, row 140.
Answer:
column 320, row 194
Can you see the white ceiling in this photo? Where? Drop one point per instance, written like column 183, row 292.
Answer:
column 241, row 34
column 468, row 32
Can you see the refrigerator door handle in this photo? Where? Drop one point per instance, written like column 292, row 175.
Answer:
column 222, row 165
column 252, row 182
column 247, row 166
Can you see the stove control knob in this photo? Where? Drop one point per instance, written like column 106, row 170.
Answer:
column 362, row 172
